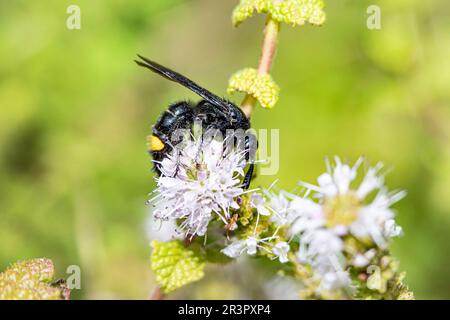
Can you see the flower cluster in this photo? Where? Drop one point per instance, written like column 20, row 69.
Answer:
column 336, row 211
column 292, row 12
column 201, row 181
column 333, row 232
column 198, row 181
column 262, row 87
column 337, row 225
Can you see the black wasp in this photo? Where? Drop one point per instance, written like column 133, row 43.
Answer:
column 212, row 112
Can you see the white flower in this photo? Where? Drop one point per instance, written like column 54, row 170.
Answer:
column 252, row 244
column 345, row 209
column 371, row 182
column 308, row 215
column 197, row 182
column 281, row 250
column 259, row 203
column 337, row 180
column 336, row 280
column 283, row 213
column 322, row 242
column 391, row 229
column 339, row 209
column 235, row 249
column 322, row 249
column 376, row 220
column 362, row 260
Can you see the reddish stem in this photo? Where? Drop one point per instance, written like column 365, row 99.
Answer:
column 157, row 294
column 268, row 50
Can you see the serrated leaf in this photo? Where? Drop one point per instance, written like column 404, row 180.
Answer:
column 261, row 87
column 30, row 280
column 292, row 12
column 175, row 265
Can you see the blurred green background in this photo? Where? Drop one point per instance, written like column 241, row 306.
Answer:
column 75, row 111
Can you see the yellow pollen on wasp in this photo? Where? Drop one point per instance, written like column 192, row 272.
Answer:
column 154, row 143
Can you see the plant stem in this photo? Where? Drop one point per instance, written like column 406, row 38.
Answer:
column 269, row 47
column 157, row 294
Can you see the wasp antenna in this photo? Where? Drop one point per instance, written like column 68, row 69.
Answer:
column 178, row 78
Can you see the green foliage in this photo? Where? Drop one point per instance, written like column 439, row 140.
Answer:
column 261, row 87
column 31, row 280
column 175, row 265
column 74, row 111
column 292, row 12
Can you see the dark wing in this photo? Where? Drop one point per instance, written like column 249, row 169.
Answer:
column 176, row 77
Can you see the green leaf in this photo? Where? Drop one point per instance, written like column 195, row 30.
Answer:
column 175, row 265
column 292, row 12
column 31, row 280
column 261, row 87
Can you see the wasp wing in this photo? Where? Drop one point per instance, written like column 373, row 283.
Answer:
column 178, row 78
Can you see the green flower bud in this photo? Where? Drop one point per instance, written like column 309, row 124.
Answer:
column 292, row 12
column 261, row 87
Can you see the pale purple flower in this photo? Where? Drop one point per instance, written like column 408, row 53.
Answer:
column 198, row 181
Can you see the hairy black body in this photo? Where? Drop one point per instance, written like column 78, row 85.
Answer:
column 213, row 112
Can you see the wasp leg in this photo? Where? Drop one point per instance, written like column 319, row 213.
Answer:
column 248, row 177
